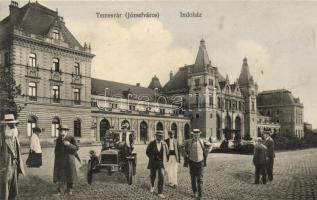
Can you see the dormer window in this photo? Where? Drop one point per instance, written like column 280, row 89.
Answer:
column 55, row 34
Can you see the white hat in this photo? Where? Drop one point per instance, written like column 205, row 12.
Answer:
column 196, row 131
column 9, row 119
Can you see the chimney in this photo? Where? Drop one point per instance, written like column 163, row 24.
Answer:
column 138, row 84
column 14, row 10
column 171, row 74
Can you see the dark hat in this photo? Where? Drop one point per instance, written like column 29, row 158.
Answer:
column 159, row 133
column 171, row 132
column 63, row 127
column 36, row 130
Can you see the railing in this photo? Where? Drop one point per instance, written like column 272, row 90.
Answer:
column 56, row 75
column 62, row 102
column 76, row 78
column 32, row 71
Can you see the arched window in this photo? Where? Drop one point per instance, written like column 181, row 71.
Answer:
column 77, row 69
column 31, row 124
column 174, row 128
column 104, row 127
column 55, row 125
column 159, row 126
column 77, row 128
column 218, row 127
column 32, row 60
column 143, row 131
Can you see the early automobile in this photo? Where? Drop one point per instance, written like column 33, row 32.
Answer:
column 116, row 156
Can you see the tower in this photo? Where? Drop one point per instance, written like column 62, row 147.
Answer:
column 201, row 88
column 249, row 90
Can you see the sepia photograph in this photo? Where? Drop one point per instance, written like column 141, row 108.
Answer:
column 158, row 99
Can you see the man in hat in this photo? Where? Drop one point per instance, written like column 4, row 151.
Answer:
column 196, row 152
column 173, row 158
column 126, row 137
column 11, row 163
column 259, row 160
column 269, row 143
column 157, row 152
column 64, row 165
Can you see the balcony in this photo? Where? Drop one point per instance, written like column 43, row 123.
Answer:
column 76, row 79
column 32, row 72
column 56, row 76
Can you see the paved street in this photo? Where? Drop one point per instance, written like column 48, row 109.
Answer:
column 227, row 176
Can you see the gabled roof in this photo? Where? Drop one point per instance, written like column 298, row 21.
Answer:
column 122, row 90
column 37, row 19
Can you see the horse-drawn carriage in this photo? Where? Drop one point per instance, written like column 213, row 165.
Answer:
column 117, row 155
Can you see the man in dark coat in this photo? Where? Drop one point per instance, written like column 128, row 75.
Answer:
column 64, row 165
column 259, row 160
column 269, row 143
column 196, row 152
column 157, row 152
column 11, row 164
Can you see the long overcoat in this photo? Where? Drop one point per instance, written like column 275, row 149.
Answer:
column 11, row 164
column 64, row 164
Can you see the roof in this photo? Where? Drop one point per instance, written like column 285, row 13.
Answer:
column 155, row 83
column 276, row 97
column 122, row 90
column 202, row 58
column 37, row 19
column 245, row 75
column 178, row 82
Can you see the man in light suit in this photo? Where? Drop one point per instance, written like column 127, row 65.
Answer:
column 173, row 158
column 11, row 164
column 269, row 143
column 196, row 152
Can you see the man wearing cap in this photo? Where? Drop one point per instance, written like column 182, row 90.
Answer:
column 259, row 160
column 196, row 152
column 269, row 143
column 11, row 163
column 173, row 158
column 64, row 165
column 157, row 152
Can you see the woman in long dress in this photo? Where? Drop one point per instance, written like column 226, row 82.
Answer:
column 35, row 156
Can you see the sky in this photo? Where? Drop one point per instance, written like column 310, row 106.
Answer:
column 277, row 37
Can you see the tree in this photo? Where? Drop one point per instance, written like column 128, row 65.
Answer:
column 8, row 90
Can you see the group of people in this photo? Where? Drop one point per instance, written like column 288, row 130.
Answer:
column 263, row 158
column 164, row 156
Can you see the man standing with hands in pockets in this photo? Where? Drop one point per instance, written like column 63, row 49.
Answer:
column 64, row 165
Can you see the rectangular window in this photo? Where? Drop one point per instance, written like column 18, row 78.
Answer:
column 55, row 66
column 114, row 105
column 77, row 69
column 211, row 100
column 162, row 111
column 77, row 96
column 197, row 82
column 253, row 107
column 55, row 94
column 131, row 107
column 32, row 91
column 219, row 102
column 197, row 99
column 211, row 82
column 6, row 59
column 32, row 60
